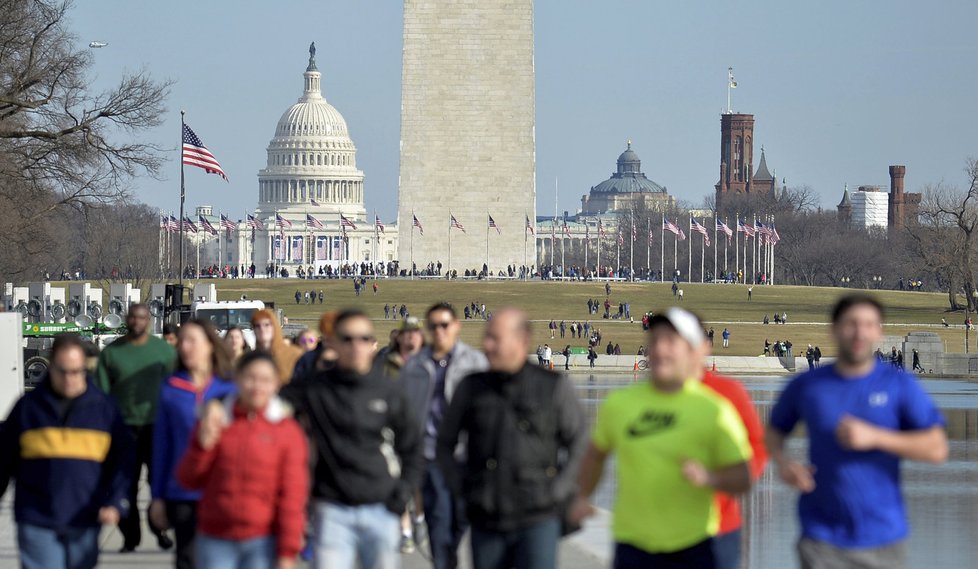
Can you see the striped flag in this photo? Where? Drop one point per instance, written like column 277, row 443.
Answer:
column 417, row 223
column 492, row 224
column 345, row 222
column 529, row 227
column 189, row 225
column 682, row 234
column 312, row 222
column 164, row 223
column 206, row 225
column 313, row 202
column 255, row 223
column 600, row 229
column 455, row 224
column 282, row 223
column 226, row 222
column 174, row 225
column 701, row 229
column 379, row 224
column 774, row 235
column 621, row 240
column 670, row 227
column 742, row 227
column 721, row 226
column 567, row 230
column 196, row 154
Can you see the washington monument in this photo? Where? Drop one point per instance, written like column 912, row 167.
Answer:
column 467, row 134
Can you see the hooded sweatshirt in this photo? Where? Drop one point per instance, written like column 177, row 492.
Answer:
column 285, row 355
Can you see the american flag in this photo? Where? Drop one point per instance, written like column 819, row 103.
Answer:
column 313, row 202
column 282, row 223
column 313, row 223
column 701, row 229
column 206, row 225
column 255, row 223
column 670, row 227
column 650, row 233
column 417, row 223
column 196, row 154
column 621, row 240
column 682, row 234
column 379, row 224
column 742, row 227
column 774, row 238
column 492, row 224
column 762, row 231
column 529, row 227
column 345, row 222
column 721, row 226
column 226, row 222
column 164, row 223
column 174, row 225
column 567, row 229
column 634, row 232
column 600, row 229
column 189, row 225
column 455, row 224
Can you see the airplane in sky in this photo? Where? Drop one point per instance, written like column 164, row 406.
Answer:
column 97, row 44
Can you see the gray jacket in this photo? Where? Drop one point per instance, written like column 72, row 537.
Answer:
column 418, row 376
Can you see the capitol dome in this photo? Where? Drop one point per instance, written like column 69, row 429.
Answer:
column 629, row 177
column 626, row 189
column 311, row 165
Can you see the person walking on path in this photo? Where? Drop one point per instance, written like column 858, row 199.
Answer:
column 726, row 337
column 250, row 460
column 430, row 379
column 361, row 484
column 268, row 338
column 69, row 450
column 548, row 354
column 592, row 356
column 862, row 417
column 525, row 435
column 131, row 370
column 677, row 443
column 566, row 352
column 916, row 362
column 202, row 365
column 750, row 293
column 818, row 357
column 727, row 542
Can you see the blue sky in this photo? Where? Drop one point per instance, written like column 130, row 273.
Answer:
column 839, row 89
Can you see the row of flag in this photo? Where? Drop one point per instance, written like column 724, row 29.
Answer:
column 454, row 223
column 171, row 223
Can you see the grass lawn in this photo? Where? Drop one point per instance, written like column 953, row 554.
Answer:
column 718, row 305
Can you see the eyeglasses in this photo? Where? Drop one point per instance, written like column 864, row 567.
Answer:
column 437, row 325
column 351, row 339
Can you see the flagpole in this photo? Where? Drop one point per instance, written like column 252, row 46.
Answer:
column 448, row 269
column 726, row 243
column 662, row 249
column 716, row 236
column 631, row 252
column 183, row 196
column 600, row 229
column 563, row 249
column 753, row 274
column 773, row 245
column 488, row 270
column 703, row 259
column 618, row 253
column 648, row 248
column 587, row 243
column 412, row 245
column 526, row 269
column 689, row 258
column 737, row 248
column 675, row 252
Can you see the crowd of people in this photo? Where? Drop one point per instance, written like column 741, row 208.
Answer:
column 341, row 447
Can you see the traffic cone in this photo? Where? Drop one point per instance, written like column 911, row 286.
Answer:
column 635, row 365
column 551, row 364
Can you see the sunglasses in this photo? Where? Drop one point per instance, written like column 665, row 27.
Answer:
column 351, row 339
column 437, row 325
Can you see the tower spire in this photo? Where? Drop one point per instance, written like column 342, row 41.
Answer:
column 311, row 77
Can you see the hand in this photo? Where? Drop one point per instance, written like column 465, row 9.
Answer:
column 580, row 510
column 212, row 424
column 285, row 563
column 856, row 434
column 697, row 474
column 797, row 475
column 108, row 516
column 157, row 515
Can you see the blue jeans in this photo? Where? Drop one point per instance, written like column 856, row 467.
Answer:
column 445, row 517
column 344, row 534
column 726, row 549
column 43, row 548
column 214, row 553
column 533, row 547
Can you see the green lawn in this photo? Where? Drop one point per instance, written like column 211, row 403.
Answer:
column 807, row 307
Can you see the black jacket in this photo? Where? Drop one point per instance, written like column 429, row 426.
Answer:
column 366, row 442
column 525, row 438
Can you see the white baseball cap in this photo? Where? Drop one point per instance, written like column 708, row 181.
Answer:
column 683, row 322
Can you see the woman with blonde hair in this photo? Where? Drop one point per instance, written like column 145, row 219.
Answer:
column 268, row 338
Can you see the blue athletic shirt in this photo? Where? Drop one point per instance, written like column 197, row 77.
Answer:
column 857, row 501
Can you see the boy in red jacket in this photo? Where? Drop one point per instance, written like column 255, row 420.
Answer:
column 250, row 458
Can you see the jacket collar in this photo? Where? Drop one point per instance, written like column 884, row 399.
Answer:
column 276, row 411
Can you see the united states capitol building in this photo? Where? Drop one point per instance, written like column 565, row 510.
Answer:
column 310, row 179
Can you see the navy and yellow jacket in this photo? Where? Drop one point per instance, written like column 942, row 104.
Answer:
column 66, row 468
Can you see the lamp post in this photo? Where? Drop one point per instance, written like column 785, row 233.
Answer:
column 877, row 281
column 845, row 281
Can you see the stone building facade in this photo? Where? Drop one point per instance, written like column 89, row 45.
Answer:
column 467, row 133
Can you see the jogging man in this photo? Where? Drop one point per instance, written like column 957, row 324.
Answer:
column 862, row 418
column 677, row 443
